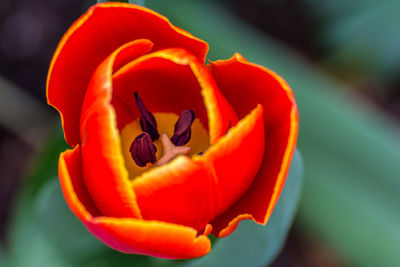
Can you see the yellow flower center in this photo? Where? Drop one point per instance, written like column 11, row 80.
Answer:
column 199, row 140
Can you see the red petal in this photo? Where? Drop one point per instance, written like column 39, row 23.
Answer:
column 103, row 165
column 236, row 158
column 178, row 192
column 221, row 115
column 126, row 234
column 172, row 80
column 73, row 186
column 164, row 86
column 245, row 85
column 152, row 238
column 93, row 37
column 193, row 192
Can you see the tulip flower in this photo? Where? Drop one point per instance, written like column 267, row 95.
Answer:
column 164, row 149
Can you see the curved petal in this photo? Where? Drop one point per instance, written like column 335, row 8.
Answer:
column 236, row 158
column 180, row 192
column 193, row 191
column 259, row 85
column 73, row 186
column 93, row 37
column 103, row 166
column 126, row 234
column 172, row 80
column 164, row 85
column 152, row 238
column 221, row 115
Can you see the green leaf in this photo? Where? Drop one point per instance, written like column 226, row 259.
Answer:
column 2, row 259
column 137, row 2
column 359, row 32
column 52, row 214
column 48, row 234
column 45, row 166
column 356, row 216
column 44, row 232
column 75, row 241
column 256, row 245
column 31, row 245
column 28, row 245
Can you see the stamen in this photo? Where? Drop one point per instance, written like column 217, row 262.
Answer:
column 182, row 129
column 143, row 150
column 170, row 150
column 147, row 121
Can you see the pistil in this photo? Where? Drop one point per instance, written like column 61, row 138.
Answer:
column 170, row 150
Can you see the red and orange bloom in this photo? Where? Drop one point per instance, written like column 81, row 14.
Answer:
column 238, row 120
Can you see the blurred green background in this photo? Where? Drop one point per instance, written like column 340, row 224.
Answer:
column 341, row 58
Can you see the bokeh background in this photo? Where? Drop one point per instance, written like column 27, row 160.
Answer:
column 342, row 59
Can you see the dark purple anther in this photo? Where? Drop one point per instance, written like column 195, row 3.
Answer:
column 182, row 129
column 142, row 150
column 147, row 121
